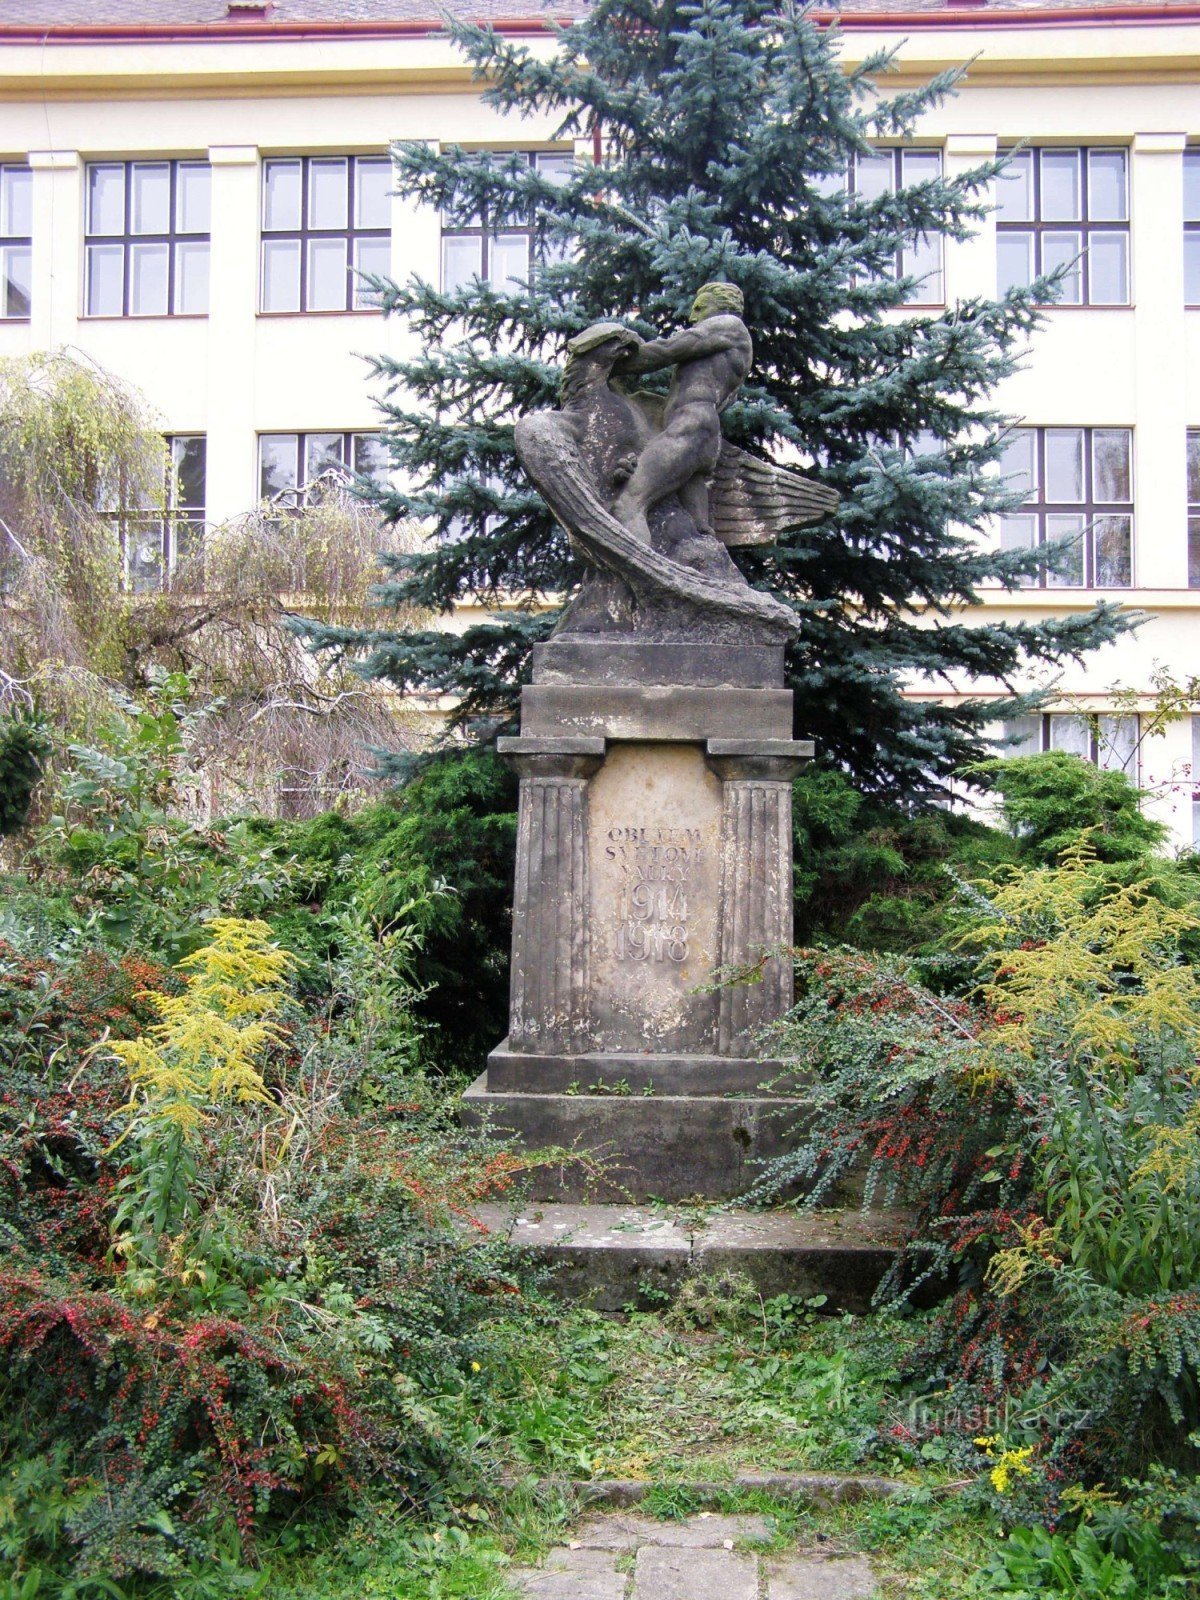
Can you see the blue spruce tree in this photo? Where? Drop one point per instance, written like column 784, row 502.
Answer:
column 731, row 143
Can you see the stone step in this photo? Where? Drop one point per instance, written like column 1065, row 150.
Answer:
column 652, row 1146
column 615, row 1256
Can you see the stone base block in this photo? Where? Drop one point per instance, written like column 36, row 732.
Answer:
column 668, row 1147
column 610, row 1073
column 616, row 1256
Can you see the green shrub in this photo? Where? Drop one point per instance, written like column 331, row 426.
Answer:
column 1044, row 1134
column 1050, row 800
column 24, row 746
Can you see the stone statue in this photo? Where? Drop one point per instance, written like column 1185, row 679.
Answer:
column 650, row 492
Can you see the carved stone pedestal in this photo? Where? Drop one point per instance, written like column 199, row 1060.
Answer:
column 654, row 855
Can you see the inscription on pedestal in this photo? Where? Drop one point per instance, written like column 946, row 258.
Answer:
column 653, row 877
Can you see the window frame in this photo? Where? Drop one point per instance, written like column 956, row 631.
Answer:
column 175, row 512
column 304, row 234
column 897, row 154
column 127, row 238
column 1084, row 225
column 1193, row 506
column 1191, row 227
column 299, row 494
column 487, row 235
column 1092, row 719
column 16, row 241
column 1089, row 509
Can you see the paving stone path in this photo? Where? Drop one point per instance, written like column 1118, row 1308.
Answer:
column 708, row 1557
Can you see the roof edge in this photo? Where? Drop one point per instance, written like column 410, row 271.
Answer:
column 972, row 14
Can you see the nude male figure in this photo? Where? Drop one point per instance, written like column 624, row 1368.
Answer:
column 711, row 360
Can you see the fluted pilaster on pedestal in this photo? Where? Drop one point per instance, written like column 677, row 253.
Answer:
column 756, row 885
column 551, row 991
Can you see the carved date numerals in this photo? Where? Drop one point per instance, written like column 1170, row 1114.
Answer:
column 653, row 919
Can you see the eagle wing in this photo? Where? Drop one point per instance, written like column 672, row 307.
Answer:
column 752, row 502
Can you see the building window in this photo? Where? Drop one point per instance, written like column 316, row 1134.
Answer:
column 1066, row 208
column 471, row 248
column 162, row 551
column 1191, row 227
column 290, row 464
column 1196, row 782
column 1193, row 494
column 884, row 171
column 325, row 219
column 16, row 242
column 1077, row 485
column 146, row 238
column 1109, row 740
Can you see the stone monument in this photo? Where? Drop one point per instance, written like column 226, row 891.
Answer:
column 656, row 757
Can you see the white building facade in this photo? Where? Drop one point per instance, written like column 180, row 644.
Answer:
column 187, row 186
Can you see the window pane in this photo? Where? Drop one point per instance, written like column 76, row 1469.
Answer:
column 1060, row 186
column 1193, row 466
column 193, row 205
column 1071, row 733
column 1062, row 250
column 1014, row 261
column 16, row 273
column 1018, row 531
column 1113, row 538
column 1025, row 734
column 188, row 457
column 555, row 168
column 16, row 202
column 1112, row 479
column 322, row 453
column 510, row 260
column 191, row 278
column 1108, row 269
column 1191, row 185
column 1018, row 463
column 1014, row 189
column 1191, row 268
column 1194, row 555
column 374, row 256
column 1107, row 198
column 281, row 275
column 105, row 280
column 277, row 454
column 106, row 198
column 150, row 197
column 327, row 194
column 1116, row 744
column 143, row 556
column 281, row 195
column 327, row 280
column 920, row 166
column 372, row 194
column 148, row 279
column 1064, row 465
column 874, row 175
column 187, row 539
column 1069, row 563
column 462, row 259
column 371, row 457
column 923, row 261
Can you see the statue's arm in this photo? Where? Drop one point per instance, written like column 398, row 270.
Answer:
column 686, row 345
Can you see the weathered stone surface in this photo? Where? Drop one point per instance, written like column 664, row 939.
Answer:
column 617, row 1072
column 631, row 1531
column 612, row 1255
column 652, row 711
column 572, row 1575
column 657, row 1146
column 666, row 1574
column 654, row 864
column 820, row 1578
column 627, row 660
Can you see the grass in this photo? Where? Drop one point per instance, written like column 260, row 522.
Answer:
column 720, row 1383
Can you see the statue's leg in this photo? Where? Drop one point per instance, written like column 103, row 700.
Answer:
column 693, row 497
column 671, row 460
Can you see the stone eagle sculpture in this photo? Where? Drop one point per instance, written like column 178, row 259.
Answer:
column 651, row 493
